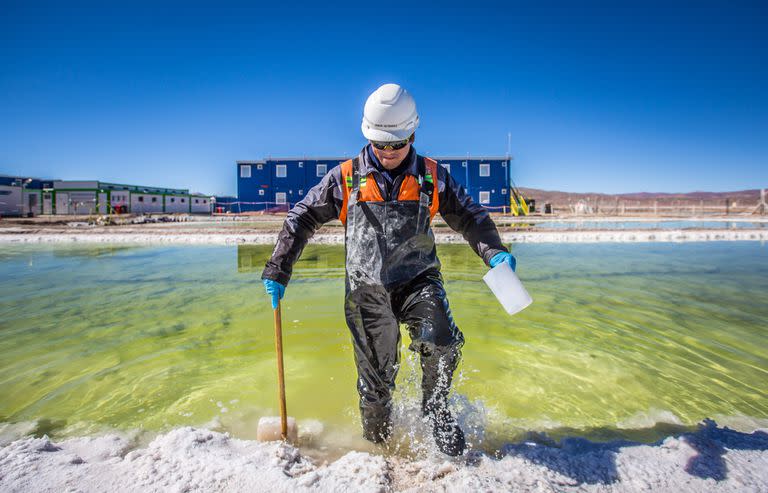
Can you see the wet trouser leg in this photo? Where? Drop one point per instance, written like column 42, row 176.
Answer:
column 373, row 315
column 376, row 340
column 423, row 306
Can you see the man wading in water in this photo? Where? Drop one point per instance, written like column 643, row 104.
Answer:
column 386, row 198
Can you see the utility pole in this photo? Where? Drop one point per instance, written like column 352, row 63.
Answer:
column 508, row 177
column 24, row 205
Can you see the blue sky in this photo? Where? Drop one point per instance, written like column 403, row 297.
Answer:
column 600, row 97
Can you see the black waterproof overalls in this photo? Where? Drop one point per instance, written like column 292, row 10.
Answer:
column 393, row 277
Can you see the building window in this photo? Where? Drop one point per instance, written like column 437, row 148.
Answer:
column 322, row 169
column 141, row 199
column 197, row 201
column 245, row 171
column 447, row 166
column 154, row 199
column 173, row 199
column 485, row 169
column 503, row 191
column 182, row 201
column 261, row 192
column 280, row 197
column 301, row 164
column 259, row 166
column 301, row 192
column 205, row 201
column 485, row 197
column 281, row 171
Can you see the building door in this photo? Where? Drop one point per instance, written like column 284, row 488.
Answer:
column 47, row 204
column 32, row 206
column 102, row 203
column 62, row 203
column 83, row 202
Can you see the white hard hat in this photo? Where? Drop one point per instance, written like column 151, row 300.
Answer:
column 390, row 114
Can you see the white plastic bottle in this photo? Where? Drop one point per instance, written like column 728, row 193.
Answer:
column 507, row 287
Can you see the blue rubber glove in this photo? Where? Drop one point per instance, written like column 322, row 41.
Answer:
column 275, row 290
column 503, row 257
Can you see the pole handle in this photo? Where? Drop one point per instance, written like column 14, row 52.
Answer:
column 280, row 372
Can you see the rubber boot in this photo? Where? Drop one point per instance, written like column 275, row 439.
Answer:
column 377, row 423
column 448, row 435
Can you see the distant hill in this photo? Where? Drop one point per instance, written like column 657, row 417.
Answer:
column 741, row 200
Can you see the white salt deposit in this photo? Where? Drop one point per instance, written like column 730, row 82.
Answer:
column 623, row 236
column 189, row 459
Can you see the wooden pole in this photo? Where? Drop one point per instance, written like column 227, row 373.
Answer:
column 280, row 372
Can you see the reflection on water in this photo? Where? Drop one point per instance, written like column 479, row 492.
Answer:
column 90, row 250
column 619, row 337
column 250, row 258
column 317, row 261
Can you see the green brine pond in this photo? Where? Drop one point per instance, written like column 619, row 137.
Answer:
column 622, row 341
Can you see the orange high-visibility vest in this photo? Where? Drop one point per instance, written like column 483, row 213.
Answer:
column 410, row 188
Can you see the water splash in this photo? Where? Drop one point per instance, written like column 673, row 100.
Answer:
column 412, row 433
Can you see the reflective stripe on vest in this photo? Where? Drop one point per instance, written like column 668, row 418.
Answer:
column 410, row 188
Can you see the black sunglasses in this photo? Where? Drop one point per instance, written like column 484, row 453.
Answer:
column 395, row 146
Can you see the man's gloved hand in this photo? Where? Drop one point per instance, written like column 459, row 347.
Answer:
column 503, row 257
column 275, row 290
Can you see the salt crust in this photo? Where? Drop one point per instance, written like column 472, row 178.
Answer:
column 189, row 459
column 612, row 236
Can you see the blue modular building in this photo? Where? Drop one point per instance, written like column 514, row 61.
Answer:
column 276, row 184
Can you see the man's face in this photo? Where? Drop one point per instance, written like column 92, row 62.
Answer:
column 391, row 158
